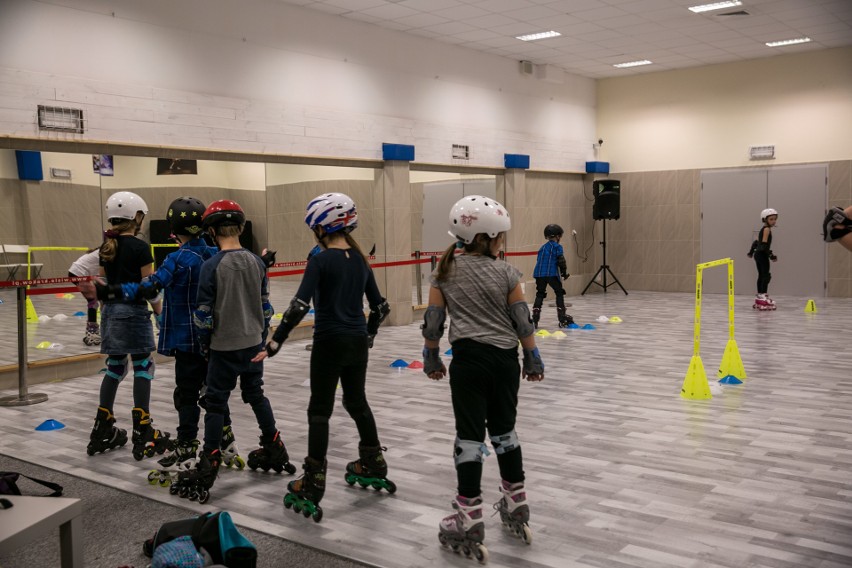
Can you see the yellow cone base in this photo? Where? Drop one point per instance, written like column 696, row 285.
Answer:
column 810, row 307
column 732, row 363
column 32, row 316
column 695, row 385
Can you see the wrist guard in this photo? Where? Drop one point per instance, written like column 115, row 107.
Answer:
column 432, row 360
column 377, row 315
column 533, row 365
column 268, row 258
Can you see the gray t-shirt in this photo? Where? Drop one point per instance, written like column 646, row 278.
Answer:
column 477, row 292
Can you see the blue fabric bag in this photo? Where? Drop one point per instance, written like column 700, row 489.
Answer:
column 215, row 533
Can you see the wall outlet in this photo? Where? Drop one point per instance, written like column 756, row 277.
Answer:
column 573, row 232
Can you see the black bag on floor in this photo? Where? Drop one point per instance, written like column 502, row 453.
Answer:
column 9, row 484
column 213, row 532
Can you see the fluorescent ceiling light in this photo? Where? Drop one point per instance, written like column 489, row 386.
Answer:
column 788, row 41
column 540, row 35
column 632, row 64
column 715, row 6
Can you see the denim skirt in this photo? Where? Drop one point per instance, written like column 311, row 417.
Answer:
column 126, row 329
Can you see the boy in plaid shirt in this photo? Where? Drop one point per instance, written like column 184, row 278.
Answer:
column 550, row 270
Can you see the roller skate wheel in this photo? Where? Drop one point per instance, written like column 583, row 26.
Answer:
column 153, row 475
column 349, row 479
column 481, row 554
column 442, row 539
column 289, row 468
column 184, row 491
column 264, row 468
column 165, row 482
column 526, row 535
column 174, row 489
column 287, row 503
column 278, row 468
column 239, row 463
column 317, row 516
column 465, row 550
column 363, row 484
column 391, row 487
column 297, row 507
column 90, row 451
column 204, row 496
column 306, row 512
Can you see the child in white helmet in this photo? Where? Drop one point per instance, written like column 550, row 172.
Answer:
column 489, row 316
column 126, row 330
column 761, row 251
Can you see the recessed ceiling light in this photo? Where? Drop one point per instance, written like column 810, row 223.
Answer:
column 632, row 64
column 540, row 35
column 716, row 6
column 788, row 41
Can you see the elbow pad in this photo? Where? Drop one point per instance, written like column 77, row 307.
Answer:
column 294, row 314
column 433, row 323
column 378, row 314
column 106, row 292
column 519, row 312
column 560, row 262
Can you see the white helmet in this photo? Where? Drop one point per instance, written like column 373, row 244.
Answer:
column 332, row 211
column 125, row 205
column 766, row 213
column 476, row 214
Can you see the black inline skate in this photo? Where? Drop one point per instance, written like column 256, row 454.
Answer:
column 272, row 454
column 105, row 435
column 230, row 453
column 195, row 484
column 564, row 319
column 464, row 531
column 304, row 494
column 514, row 511
column 147, row 440
column 536, row 316
column 370, row 470
column 182, row 458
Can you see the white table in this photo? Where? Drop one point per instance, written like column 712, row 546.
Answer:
column 34, row 517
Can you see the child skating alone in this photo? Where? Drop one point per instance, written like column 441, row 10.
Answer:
column 761, row 251
column 126, row 330
column 337, row 278
column 550, row 270
column 489, row 315
column 232, row 320
column 89, row 265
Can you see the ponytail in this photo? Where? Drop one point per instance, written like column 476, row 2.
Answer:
column 109, row 248
column 354, row 244
column 481, row 245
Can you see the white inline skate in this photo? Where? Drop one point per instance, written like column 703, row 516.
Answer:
column 514, row 511
column 464, row 530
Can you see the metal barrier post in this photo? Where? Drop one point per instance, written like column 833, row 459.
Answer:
column 419, row 279
column 23, row 398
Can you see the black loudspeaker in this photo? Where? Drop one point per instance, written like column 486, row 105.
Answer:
column 607, row 194
column 159, row 232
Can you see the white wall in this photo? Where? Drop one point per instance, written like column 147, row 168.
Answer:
column 708, row 117
column 261, row 76
column 280, row 174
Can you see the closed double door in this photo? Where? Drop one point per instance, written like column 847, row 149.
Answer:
column 731, row 202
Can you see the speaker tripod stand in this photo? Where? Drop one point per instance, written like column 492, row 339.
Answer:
column 603, row 270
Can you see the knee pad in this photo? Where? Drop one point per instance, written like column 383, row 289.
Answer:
column 542, row 295
column 186, row 397
column 469, row 451
column 212, row 407
column 317, row 419
column 560, row 292
column 116, row 368
column 252, row 397
column 505, row 442
column 143, row 368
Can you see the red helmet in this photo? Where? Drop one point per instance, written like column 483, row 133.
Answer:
column 223, row 212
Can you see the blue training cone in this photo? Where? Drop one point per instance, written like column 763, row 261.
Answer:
column 79, row 315
column 399, row 363
column 49, row 425
column 730, row 380
column 588, row 326
column 573, row 326
column 449, row 352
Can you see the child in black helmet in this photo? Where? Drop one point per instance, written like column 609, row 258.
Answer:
column 232, row 320
column 550, row 270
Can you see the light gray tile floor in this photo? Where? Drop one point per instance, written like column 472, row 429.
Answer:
column 621, row 471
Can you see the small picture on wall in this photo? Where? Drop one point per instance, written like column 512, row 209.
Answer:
column 176, row 166
column 102, row 164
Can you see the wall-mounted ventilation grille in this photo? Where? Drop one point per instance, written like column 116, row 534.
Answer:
column 761, row 152
column 60, row 119
column 461, row 152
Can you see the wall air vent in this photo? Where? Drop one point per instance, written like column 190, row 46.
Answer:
column 461, row 152
column 761, row 152
column 60, row 119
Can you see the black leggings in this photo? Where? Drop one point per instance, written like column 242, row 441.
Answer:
column 763, row 275
column 344, row 358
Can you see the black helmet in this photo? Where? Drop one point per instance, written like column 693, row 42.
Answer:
column 553, row 230
column 185, row 216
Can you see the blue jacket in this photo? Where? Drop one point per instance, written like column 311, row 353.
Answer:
column 545, row 264
column 178, row 276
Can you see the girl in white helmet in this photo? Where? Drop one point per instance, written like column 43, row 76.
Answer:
column 489, row 316
column 761, row 250
column 126, row 330
column 337, row 279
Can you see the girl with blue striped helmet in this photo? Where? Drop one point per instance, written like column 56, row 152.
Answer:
column 332, row 212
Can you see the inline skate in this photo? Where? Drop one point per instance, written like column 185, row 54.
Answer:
column 93, row 334
column 195, row 484
column 370, row 469
column 763, row 303
column 464, row 531
column 182, row 458
column 272, row 454
column 230, row 453
column 105, row 435
column 564, row 319
column 147, row 440
column 304, row 494
column 514, row 511
column 536, row 316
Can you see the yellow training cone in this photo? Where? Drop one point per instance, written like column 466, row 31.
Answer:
column 68, row 296
column 558, row 334
column 542, row 333
column 44, row 345
column 695, row 385
column 32, row 316
column 732, row 363
column 810, row 307
column 615, row 319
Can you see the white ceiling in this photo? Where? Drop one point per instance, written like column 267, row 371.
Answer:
column 599, row 33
